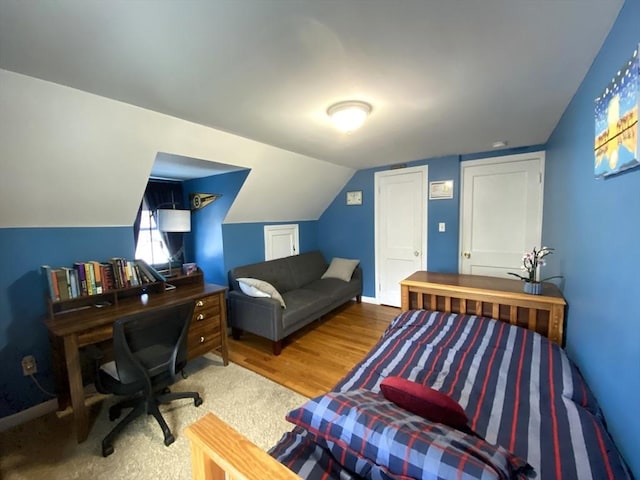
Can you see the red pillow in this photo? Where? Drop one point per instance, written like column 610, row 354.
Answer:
column 424, row 401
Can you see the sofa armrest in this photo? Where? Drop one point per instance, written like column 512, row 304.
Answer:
column 259, row 315
column 357, row 273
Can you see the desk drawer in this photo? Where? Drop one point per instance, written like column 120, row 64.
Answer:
column 203, row 337
column 204, row 344
column 205, row 333
column 211, row 302
column 206, row 315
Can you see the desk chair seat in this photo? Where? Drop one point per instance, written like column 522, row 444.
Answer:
column 149, row 349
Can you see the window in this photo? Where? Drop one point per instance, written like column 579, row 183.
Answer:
column 151, row 247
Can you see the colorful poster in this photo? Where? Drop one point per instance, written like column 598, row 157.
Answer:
column 616, row 135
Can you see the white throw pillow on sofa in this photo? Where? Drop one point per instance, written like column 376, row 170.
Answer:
column 341, row 268
column 259, row 288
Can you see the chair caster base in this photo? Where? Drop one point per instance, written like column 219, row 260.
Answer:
column 107, row 450
column 169, row 439
column 197, row 402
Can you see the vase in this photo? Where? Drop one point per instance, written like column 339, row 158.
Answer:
column 534, row 288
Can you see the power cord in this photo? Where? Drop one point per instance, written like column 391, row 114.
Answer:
column 35, row 380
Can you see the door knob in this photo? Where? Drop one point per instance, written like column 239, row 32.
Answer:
column 416, row 253
column 466, row 254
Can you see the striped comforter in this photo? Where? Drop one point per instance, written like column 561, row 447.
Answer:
column 519, row 390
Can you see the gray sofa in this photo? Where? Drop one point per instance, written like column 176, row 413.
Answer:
column 307, row 296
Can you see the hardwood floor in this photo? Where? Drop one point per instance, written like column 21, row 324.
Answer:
column 316, row 357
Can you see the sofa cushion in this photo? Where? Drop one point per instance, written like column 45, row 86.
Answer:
column 307, row 267
column 341, row 268
column 250, row 290
column 334, row 288
column 276, row 272
column 265, row 288
column 302, row 304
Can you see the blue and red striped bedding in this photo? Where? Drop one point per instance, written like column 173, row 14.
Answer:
column 519, row 390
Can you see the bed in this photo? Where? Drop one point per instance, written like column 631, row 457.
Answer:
column 530, row 413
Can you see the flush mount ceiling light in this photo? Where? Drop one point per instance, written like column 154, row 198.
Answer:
column 350, row 115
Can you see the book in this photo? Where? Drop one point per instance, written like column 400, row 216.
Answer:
column 54, row 281
column 153, row 272
column 118, row 272
column 75, row 289
column 46, row 275
column 146, row 274
column 63, row 286
column 82, row 279
column 106, row 273
column 67, row 273
column 131, row 274
column 91, row 281
column 97, row 275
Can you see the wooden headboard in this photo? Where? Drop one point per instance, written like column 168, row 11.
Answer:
column 499, row 298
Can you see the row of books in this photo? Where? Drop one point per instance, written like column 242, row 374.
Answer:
column 93, row 277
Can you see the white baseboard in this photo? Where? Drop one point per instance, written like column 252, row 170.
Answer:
column 370, row 300
column 28, row 414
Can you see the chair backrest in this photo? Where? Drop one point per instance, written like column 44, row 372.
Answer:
column 148, row 344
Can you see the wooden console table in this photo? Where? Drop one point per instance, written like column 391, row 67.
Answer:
column 499, row 298
column 71, row 330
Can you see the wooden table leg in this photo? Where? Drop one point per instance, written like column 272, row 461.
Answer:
column 223, row 330
column 74, row 371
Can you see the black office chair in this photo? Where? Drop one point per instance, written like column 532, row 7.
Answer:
column 149, row 350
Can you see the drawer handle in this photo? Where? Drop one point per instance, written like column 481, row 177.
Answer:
column 200, row 316
column 201, row 339
column 199, row 303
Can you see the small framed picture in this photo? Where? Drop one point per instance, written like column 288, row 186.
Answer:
column 189, row 268
column 441, row 190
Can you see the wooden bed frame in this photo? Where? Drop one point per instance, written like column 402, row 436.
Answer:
column 219, row 452
column 499, row 298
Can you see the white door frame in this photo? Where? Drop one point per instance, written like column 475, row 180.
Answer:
column 377, row 176
column 493, row 160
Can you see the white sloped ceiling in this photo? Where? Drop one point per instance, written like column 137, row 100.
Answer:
column 74, row 159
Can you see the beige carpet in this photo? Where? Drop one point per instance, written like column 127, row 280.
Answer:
column 45, row 448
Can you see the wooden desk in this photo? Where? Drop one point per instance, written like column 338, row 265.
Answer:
column 499, row 298
column 71, row 331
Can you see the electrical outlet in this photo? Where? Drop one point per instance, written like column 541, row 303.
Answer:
column 29, row 365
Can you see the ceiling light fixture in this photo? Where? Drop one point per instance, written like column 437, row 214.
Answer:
column 350, row 115
column 499, row 144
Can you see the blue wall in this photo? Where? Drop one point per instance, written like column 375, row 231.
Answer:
column 349, row 231
column 595, row 227
column 244, row 242
column 23, row 304
column 205, row 244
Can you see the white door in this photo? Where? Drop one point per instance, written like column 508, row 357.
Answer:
column 400, row 229
column 501, row 212
column 280, row 241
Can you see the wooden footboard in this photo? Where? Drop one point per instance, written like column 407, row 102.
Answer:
column 219, row 452
column 499, row 298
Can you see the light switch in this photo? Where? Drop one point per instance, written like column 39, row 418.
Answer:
column 441, row 227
